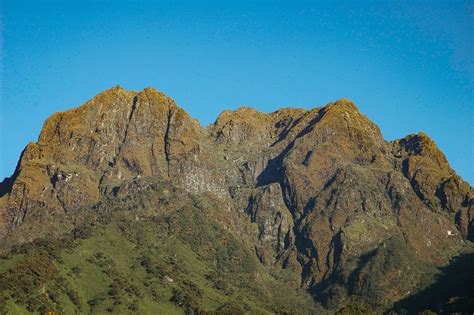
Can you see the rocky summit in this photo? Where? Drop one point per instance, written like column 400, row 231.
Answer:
column 127, row 204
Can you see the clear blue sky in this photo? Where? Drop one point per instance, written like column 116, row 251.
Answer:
column 408, row 66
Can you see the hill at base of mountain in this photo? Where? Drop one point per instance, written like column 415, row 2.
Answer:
column 126, row 204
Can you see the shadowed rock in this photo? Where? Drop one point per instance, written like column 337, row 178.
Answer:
column 322, row 186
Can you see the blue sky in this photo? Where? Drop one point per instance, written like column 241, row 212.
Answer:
column 407, row 65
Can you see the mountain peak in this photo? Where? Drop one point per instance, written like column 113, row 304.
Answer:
column 311, row 195
column 345, row 104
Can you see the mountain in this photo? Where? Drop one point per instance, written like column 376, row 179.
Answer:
column 127, row 204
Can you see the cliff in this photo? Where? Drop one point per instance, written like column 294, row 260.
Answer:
column 317, row 195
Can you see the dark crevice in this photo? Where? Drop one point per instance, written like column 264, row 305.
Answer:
column 334, row 252
column 153, row 163
column 286, row 130
column 130, row 116
column 167, row 143
column 307, row 158
column 54, row 180
column 272, row 172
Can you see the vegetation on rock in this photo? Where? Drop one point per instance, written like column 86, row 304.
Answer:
column 127, row 205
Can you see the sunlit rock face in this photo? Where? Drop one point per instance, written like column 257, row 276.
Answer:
column 308, row 191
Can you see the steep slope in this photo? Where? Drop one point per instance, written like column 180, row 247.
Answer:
column 146, row 248
column 317, row 196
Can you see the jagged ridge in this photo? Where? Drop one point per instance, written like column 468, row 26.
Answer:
column 322, row 185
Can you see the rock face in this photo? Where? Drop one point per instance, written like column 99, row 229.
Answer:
column 308, row 190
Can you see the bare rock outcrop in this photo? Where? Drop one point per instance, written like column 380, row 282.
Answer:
column 321, row 186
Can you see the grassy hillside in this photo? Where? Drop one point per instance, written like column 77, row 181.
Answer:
column 180, row 261
column 149, row 248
